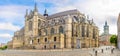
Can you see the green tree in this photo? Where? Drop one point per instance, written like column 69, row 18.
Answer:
column 3, row 48
column 113, row 40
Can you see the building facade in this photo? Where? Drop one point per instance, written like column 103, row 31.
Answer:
column 68, row 29
column 2, row 44
column 118, row 33
column 104, row 39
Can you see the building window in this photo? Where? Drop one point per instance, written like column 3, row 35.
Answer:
column 52, row 30
column 94, row 33
column 83, row 31
column 54, row 46
column 45, row 31
column 55, row 38
column 45, row 46
column 45, row 39
column 87, row 31
column 72, row 30
column 38, row 40
column 61, row 29
column 75, row 19
column 39, row 23
column 30, row 25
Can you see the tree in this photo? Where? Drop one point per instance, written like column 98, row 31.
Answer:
column 3, row 48
column 113, row 40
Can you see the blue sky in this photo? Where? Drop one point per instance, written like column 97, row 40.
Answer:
column 12, row 13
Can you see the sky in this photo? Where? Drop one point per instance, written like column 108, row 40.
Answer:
column 12, row 13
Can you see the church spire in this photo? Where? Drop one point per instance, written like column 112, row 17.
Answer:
column 105, row 23
column 26, row 12
column 92, row 20
column 87, row 16
column 45, row 12
column 35, row 8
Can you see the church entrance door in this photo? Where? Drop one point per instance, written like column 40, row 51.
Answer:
column 78, row 43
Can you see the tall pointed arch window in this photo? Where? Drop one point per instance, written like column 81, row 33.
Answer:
column 83, row 31
column 45, row 31
column 52, row 30
column 61, row 30
column 87, row 31
column 39, row 23
column 94, row 33
column 30, row 25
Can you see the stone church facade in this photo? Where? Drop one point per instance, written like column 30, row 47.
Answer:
column 68, row 29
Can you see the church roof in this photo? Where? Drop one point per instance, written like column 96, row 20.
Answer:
column 69, row 12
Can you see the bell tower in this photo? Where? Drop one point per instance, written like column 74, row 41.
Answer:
column 31, row 24
column 106, row 28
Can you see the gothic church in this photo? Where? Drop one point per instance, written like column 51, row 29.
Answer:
column 68, row 29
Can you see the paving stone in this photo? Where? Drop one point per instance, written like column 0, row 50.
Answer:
column 75, row 52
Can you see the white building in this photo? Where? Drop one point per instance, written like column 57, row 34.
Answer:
column 118, row 27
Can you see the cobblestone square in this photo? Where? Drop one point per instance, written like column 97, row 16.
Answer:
column 60, row 52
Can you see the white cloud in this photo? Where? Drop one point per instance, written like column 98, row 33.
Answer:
column 57, row 2
column 6, row 35
column 8, row 26
column 99, row 10
column 12, row 13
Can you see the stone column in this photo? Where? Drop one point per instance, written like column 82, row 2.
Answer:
column 61, row 41
column 68, row 31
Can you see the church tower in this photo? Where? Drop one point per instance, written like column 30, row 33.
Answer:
column 31, row 25
column 106, row 29
column 35, row 21
column 118, row 29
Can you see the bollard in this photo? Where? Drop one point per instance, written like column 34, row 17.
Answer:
column 95, row 53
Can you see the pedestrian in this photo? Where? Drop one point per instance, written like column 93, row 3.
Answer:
column 93, row 49
column 96, row 53
column 112, row 50
column 72, row 47
column 102, row 50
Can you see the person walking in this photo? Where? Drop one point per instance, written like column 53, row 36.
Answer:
column 112, row 50
column 102, row 50
column 96, row 53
